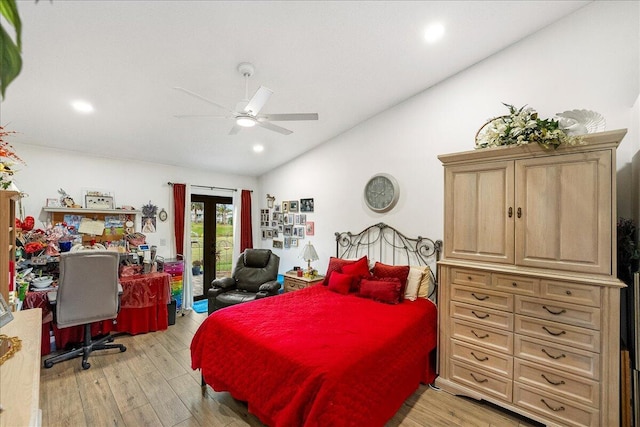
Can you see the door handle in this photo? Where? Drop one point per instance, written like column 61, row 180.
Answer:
column 510, row 212
column 519, row 213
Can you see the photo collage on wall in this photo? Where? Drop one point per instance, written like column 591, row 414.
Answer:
column 286, row 223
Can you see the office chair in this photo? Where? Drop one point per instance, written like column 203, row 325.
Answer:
column 88, row 291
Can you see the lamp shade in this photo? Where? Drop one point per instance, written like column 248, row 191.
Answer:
column 309, row 253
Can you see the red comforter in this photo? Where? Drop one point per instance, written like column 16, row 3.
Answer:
column 318, row 358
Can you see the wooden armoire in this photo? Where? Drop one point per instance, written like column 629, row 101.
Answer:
column 529, row 305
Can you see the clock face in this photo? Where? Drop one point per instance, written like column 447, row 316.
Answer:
column 162, row 215
column 381, row 193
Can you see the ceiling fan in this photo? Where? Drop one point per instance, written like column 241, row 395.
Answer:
column 247, row 112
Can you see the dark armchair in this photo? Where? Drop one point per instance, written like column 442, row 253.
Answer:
column 254, row 276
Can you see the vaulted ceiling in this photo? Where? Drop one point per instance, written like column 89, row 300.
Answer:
column 346, row 61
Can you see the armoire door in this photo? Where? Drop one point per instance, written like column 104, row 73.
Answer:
column 563, row 212
column 479, row 212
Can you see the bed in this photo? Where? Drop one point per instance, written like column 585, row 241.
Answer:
column 318, row 357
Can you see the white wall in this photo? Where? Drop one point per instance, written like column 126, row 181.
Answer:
column 588, row 60
column 133, row 183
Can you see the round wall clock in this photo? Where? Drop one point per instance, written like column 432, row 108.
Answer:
column 381, row 192
column 162, row 215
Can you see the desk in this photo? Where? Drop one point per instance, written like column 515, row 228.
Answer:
column 20, row 374
column 143, row 308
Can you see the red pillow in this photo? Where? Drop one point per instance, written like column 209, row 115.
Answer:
column 386, row 290
column 340, row 283
column 360, row 270
column 336, row 264
column 401, row 272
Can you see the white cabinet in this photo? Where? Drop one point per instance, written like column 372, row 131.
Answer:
column 528, row 301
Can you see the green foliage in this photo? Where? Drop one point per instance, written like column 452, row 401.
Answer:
column 10, row 49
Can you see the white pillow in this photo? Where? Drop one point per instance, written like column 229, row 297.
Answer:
column 425, row 284
column 416, row 273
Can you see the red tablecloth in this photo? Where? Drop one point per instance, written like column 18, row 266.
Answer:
column 143, row 308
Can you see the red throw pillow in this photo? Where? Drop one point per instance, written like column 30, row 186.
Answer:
column 340, row 283
column 401, row 272
column 386, row 290
column 336, row 264
column 360, row 270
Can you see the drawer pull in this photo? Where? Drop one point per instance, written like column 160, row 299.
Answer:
column 554, row 312
column 514, row 284
column 561, row 382
column 558, row 409
column 469, row 278
column 479, row 316
column 555, row 334
column 479, row 298
column 568, row 292
column 479, row 336
column 484, row 380
column 479, row 359
column 552, row 356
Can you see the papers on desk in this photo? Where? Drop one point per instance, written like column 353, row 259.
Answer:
column 89, row 226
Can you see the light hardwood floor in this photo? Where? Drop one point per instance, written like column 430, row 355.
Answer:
column 152, row 384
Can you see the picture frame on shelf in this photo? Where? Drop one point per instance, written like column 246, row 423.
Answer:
column 98, row 202
column 53, row 203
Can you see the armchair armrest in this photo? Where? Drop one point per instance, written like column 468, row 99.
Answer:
column 226, row 283
column 268, row 288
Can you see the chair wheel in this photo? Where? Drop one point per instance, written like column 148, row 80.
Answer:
column 123, row 349
column 86, row 365
column 48, row 364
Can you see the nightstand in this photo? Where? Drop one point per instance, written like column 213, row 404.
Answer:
column 293, row 283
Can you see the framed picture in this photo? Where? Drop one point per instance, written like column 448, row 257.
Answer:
column 294, row 242
column 309, row 228
column 277, row 244
column 5, row 313
column 293, row 206
column 98, row 202
column 299, row 232
column 287, row 242
column 285, row 207
column 306, row 205
column 53, row 203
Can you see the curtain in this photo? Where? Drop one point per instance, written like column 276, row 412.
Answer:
column 246, row 233
column 182, row 233
column 179, row 191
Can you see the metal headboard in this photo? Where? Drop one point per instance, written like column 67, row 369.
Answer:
column 383, row 243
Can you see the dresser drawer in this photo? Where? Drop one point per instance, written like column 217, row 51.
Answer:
column 461, row 276
column 290, row 285
column 573, row 387
column 485, row 360
column 588, row 317
column 557, row 356
column 485, row 382
column 490, row 338
column 483, row 298
column 574, row 293
column 561, row 410
column 574, row 336
column 516, row 284
column 482, row 316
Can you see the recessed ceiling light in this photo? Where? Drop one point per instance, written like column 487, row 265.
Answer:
column 434, row 32
column 258, row 148
column 82, row 106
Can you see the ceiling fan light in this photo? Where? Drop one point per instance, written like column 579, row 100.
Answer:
column 245, row 122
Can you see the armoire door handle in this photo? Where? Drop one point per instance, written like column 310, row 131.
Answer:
column 510, row 212
column 519, row 213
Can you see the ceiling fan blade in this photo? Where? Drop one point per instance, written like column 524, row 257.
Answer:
column 202, row 98
column 258, row 100
column 235, row 129
column 274, row 128
column 184, row 116
column 289, row 117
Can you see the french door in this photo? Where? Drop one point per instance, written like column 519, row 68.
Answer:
column 211, row 240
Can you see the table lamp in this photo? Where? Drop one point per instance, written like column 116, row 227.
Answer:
column 309, row 254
